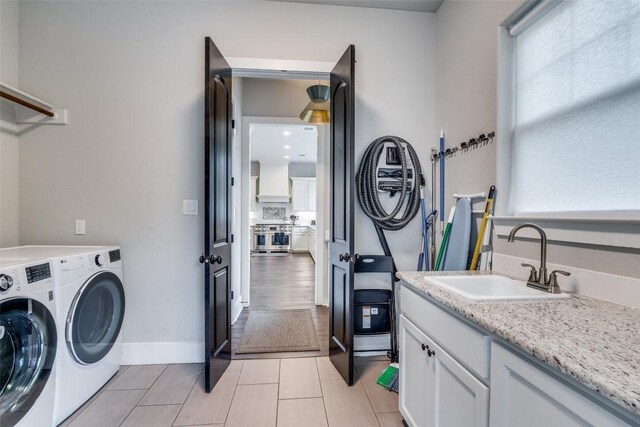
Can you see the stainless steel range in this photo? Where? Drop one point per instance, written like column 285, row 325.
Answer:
column 272, row 239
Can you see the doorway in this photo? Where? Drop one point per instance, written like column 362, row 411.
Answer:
column 284, row 284
column 222, row 282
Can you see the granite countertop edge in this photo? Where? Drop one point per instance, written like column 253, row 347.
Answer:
column 617, row 380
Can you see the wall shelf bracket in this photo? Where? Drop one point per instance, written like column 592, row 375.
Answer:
column 32, row 110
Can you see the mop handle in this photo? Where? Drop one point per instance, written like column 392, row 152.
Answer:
column 483, row 226
column 445, row 239
column 441, row 181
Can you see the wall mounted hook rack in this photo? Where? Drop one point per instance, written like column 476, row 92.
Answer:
column 464, row 146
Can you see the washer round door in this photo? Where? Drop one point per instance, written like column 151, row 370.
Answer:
column 27, row 354
column 95, row 318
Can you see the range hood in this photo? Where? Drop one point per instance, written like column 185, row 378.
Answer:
column 274, row 183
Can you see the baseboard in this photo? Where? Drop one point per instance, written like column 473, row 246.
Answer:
column 154, row 353
column 236, row 310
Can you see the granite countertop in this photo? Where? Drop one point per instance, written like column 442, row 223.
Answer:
column 593, row 341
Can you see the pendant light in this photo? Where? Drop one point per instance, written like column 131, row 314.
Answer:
column 317, row 111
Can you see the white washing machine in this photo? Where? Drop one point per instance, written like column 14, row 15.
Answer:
column 28, row 340
column 89, row 310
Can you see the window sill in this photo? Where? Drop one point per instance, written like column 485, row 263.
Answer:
column 621, row 232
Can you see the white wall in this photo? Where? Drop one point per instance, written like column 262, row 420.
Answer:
column 9, row 131
column 275, row 97
column 466, row 100
column 131, row 76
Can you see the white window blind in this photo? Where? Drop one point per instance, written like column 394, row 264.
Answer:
column 576, row 145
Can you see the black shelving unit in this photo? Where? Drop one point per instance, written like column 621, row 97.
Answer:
column 381, row 264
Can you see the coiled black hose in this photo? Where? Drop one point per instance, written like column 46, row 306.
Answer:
column 368, row 193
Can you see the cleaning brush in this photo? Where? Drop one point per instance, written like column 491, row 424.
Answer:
column 389, row 377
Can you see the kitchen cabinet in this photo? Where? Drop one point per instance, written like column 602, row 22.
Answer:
column 312, row 243
column 436, row 390
column 311, row 196
column 254, row 193
column 525, row 395
column 300, row 239
column 303, row 194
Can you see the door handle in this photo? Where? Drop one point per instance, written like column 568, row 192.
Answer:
column 203, row 259
column 344, row 257
column 354, row 258
column 215, row 259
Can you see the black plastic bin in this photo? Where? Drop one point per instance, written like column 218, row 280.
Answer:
column 372, row 311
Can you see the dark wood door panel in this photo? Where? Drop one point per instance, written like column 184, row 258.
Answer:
column 341, row 241
column 217, row 214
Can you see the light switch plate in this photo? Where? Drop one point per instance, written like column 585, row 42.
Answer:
column 189, row 207
column 80, row 227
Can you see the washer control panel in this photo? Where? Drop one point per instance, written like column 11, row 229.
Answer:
column 6, row 282
column 26, row 278
column 35, row 273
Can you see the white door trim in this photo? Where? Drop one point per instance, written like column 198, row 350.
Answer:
column 280, row 68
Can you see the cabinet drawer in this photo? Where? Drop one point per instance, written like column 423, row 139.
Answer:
column 470, row 345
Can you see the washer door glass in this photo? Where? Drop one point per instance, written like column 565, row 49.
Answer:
column 27, row 353
column 95, row 318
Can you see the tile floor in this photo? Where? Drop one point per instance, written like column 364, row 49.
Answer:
column 305, row 392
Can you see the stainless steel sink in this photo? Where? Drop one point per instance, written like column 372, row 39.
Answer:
column 492, row 288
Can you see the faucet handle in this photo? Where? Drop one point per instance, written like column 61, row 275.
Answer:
column 533, row 275
column 553, row 280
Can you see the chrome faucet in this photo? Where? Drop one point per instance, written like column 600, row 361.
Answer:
column 539, row 279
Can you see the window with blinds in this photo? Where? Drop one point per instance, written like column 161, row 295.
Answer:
column 576, row 139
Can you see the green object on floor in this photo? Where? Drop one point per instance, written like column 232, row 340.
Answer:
column 389, row 377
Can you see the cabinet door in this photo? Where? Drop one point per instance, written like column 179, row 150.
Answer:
column 416, row 393
column 311, row 196
column 299, row 242
column 299, row 195
column 460, row 398
column 312, row 243
column 435, row 390
column 524, row 395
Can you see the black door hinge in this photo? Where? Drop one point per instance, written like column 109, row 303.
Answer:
column 233, row 124
column 232, row 238
column 233, row 181
column 231, row 294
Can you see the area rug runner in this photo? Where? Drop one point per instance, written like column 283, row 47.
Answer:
column 275, row 331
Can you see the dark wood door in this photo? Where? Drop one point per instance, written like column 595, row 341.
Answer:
column 342, row 258
column 217, row 214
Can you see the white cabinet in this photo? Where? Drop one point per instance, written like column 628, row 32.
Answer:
column 300, row 239
column 454, row 387
column 254, row 192
column 435, row 390
column 312, row 243
column 303, row 194
column 524, row 395
column 311, row 197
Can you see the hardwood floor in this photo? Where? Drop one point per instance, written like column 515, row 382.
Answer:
column 283, row 282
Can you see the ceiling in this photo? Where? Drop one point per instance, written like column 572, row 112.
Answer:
column 269, row 142
column 410, row 5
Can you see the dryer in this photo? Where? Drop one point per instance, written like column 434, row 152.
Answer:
column 90, row 304
column 28, row 341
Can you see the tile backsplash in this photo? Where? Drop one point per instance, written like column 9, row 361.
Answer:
column 274, row 214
